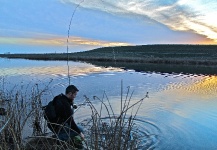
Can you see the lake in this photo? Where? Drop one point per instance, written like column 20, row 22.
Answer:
column 179, row 113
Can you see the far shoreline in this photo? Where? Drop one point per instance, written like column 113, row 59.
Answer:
column 195, row 55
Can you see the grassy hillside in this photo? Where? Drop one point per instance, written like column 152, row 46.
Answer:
column 157, row 51
column 166, row 54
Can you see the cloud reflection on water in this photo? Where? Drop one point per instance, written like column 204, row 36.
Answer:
column 194, row 100
column 56, row 70
column 205, row 87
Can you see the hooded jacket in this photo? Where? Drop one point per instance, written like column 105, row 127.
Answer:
column 64, row 112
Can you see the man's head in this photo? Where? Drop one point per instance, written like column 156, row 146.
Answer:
column 71, row 92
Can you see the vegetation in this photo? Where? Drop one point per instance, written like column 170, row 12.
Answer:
column 157, row 54
column 106, row 129
column 161, row 68
column 22, row 114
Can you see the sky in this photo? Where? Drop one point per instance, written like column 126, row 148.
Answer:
column 60, row 26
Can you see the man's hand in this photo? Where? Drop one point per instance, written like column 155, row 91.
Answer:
column 82, row 135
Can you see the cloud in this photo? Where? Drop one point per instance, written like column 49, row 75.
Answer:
column 31, row 41
column 49, row 40
column 179, row 15
column 84, row 41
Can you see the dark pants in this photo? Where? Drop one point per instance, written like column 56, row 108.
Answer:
column 66, row 133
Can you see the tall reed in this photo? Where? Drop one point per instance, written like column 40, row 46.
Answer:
column 22, row 114
column 110, row 130
column 104, row 129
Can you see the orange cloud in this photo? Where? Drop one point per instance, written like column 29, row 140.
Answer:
column 58, row 41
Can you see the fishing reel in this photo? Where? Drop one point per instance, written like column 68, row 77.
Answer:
column 75, row 106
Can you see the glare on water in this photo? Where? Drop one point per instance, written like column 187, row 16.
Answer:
column 179, row 112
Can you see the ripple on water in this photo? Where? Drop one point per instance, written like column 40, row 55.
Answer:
column 148, row 133
column 145, row 134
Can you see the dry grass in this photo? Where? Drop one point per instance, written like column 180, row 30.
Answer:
column 22, row 112
column 108, row 130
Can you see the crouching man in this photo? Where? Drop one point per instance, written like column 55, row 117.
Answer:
column 65, row 127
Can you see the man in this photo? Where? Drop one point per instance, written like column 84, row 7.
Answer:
column 66, row 128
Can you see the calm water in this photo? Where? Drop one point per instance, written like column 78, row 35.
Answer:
column 180, row 112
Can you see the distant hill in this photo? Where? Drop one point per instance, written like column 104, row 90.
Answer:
column 163, row 54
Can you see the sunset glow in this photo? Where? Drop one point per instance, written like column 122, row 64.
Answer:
column 36, row 27
column 58, row 41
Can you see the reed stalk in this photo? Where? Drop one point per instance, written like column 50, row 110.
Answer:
column 105, row 129
column 112, row 131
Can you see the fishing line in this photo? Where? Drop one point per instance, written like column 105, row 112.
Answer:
column 68, row 38
column 78, row 5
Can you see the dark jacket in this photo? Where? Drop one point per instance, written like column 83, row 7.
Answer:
column 64, row 111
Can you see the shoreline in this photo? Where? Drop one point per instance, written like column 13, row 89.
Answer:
column 57, row 57
column 199, row 55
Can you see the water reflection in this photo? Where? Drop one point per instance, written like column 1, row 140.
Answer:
column 161, row 68
column 56, row 70
column 205, row 86
column 180, row 112
column 51, row 68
